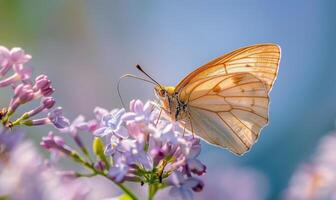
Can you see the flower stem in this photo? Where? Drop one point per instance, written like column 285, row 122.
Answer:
column 121, row 186
column 151, row 191
column 96, row 172
column 127, row 191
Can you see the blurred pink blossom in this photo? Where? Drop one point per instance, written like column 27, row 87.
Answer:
column 12, row 58
column 25, row 176
column 235, row 183
column 317, row 178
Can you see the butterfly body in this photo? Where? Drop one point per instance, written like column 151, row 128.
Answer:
column 172, row 103
column 226, row 101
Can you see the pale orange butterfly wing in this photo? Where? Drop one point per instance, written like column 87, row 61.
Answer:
column 261, row 60
column 228, row 97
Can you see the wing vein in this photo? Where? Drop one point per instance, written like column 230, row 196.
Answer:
column 243, row 123
column 233, row 131
column 250, row 111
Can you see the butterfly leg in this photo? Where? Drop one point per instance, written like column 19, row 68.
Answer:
column 191, row 126
column 157, row 121
column 184, row 129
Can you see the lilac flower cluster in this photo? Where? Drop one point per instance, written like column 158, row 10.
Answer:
column 140, row 147
column 15, row 74
column 57, row 145
column 316, row 179
column 150, row 150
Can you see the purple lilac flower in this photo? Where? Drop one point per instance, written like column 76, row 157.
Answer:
column 100, row 113
column 45, row 104
column 79, row 124
column 183, row 187
column 15, row 74
column 57, row 118
column 139, row 145
column 120, row 169
column 10, row 58
column 43, row 85
column 55, row 143
column 23, row 93
column 21, row 73
column 111, row 123
column 317, row 178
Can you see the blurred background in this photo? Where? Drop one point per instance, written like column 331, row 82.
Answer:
column 85, row 46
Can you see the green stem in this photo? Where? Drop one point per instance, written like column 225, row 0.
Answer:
column 7, row 117
column 80, row 160
column 126, row 190
column 86, row 153
column 18, row 121
column 121, row 186
column 151, row 191
column 85, row 175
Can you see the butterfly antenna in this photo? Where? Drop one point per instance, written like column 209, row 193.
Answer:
column 130, row 76
column 141, row 70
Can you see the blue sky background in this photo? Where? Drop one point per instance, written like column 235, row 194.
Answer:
column 85, row 46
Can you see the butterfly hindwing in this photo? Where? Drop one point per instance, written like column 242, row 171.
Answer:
column 230, row 112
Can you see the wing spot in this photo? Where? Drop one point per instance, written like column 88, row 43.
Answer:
column 248, row 65
column 237, row 79
column 217, row 89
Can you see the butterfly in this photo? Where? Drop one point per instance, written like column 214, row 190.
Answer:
column 226, row 101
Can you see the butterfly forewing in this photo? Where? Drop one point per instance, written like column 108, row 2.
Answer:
column 260, row 60
column 228, row 98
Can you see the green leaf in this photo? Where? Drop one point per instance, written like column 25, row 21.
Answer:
column 121, row 197
column 4, row 198
column 98, row 149
column 98, row 146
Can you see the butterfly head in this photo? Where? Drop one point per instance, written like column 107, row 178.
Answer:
column 165, row 94
column 170, row 102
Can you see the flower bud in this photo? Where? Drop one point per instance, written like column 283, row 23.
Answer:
column 57, row 118
column 48, row 102
column 99, row 165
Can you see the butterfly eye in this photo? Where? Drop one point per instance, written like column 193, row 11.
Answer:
column 162, row 93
